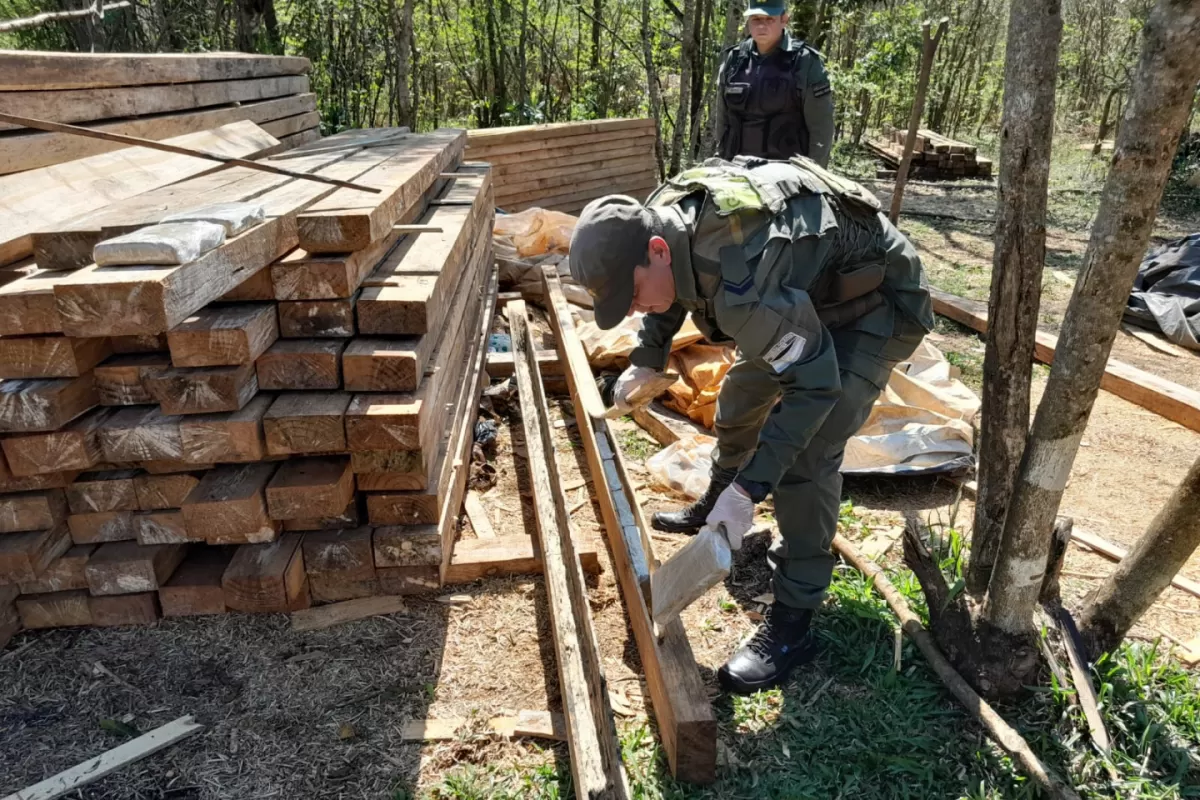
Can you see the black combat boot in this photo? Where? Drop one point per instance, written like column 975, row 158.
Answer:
column 692, row 518
column 783, row 642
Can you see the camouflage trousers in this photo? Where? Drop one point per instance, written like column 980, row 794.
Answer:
column 808, row 497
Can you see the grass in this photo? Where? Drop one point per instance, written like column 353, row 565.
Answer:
column 637, row 446
column 851, row 726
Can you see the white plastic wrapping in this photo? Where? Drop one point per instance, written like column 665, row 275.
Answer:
column 165, row 244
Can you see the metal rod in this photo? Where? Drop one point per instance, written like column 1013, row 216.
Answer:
column 137, row 141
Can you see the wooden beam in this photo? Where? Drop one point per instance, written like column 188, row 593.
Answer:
column 221, row 335
column 195, row 588
column 591, row 734
column 112, row 490
column 306, row 488
column 322, row 617
column 301, row 365
column 121, row 380
column 65, row 573
column 306, row 422
column 1165, row 398
column 685, row 716
column 267, row 577
column 203, row 390
column 227, row 437
column 477, row 559
column 127, row 567
column 31, row 69
column 228, row 505
column 50, row 356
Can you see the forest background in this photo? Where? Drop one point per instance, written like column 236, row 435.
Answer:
column 484, row 63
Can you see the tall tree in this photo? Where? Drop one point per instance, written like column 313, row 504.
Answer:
column 1160, row 99
column 1031, row 63
column 687, row 57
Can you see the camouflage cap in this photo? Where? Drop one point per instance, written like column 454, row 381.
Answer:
column 766, row 9
column 610, row 240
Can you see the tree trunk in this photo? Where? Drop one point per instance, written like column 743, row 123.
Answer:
column 1160, row 98
column 733, row 27
column 652, row 85
column 1034, row 35
column 404, row 93
column 687, row 56
column 1146, row 571
column 929, row 45
column 1104, row 118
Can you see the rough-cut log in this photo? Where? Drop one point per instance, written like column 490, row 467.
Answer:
column 1160, row 99
column 1031, row 67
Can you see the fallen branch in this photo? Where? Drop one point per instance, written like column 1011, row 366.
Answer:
column 110, row 761
column 50, row 16
column 1001, row 731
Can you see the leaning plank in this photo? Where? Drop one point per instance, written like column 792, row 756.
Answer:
column 36, row 150
column 591, row 734
column 106, row 763
column 109, row 301
column 350, row 220
column 685, row 716
column 34, row 200
column 322, row 617
column 1165, row 398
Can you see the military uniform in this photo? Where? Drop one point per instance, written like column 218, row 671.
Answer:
column 822, row 296
column 776, row 105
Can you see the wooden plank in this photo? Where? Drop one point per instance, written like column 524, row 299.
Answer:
column 38, row 405
column 301, row 365
column 27, row 304
column 306, row 422
column 227, row 437
column 159, row 492
column 203, row 390
column 350, row 220
column 94, row 769
column 195, row 586
column 476, row 559
column 60, row 609
column 89, row 105
column 110, row 301
column 32, row 511
column 301, row 275
column 324, row 319
column 1116, row 553
column 102, row 526
column 220, row 335
column 570, row 155
column 124, row 609
column 140, row 343
column 316, row 619
column 109, row 490
column 31, row 69
column 258, row 288
column 30, row 201
column 50, row 356
column 1165, row 398
column 304, row 488
column 298, row 139
column 533, row 724
column 127, row 567
column 526, row 138
column 267, row 577
column 556, row 181
column 64, row 573
column 228, row 506
column 121, row 379
column 591, row 733
column 25, row 556
column 408, row 293
column 330, row 588
column 481, row 523
column 407, row 546
column 500, row 365
column 685, row 717
column 347, row 554
column 408, row 580
column 281, row 129
column 28, row 151
column 541, row 164
column 348, row 518
column 75, row 446
column 53, row 480
column 162, row 527
column 140, row 433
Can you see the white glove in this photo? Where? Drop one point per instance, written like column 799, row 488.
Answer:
column 630, row 381
column 733, row 515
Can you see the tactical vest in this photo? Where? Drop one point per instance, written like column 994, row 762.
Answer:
column 767, row 205
column 764, row 111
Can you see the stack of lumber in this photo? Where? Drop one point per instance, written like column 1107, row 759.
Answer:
column 566, row 165
column 285, row 420
column 935, row 157
column 151, row 96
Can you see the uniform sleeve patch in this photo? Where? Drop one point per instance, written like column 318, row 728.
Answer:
column 822, row 89
column 785, row 352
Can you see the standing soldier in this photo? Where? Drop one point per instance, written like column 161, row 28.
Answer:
column 775, row 98
column 821, row 295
